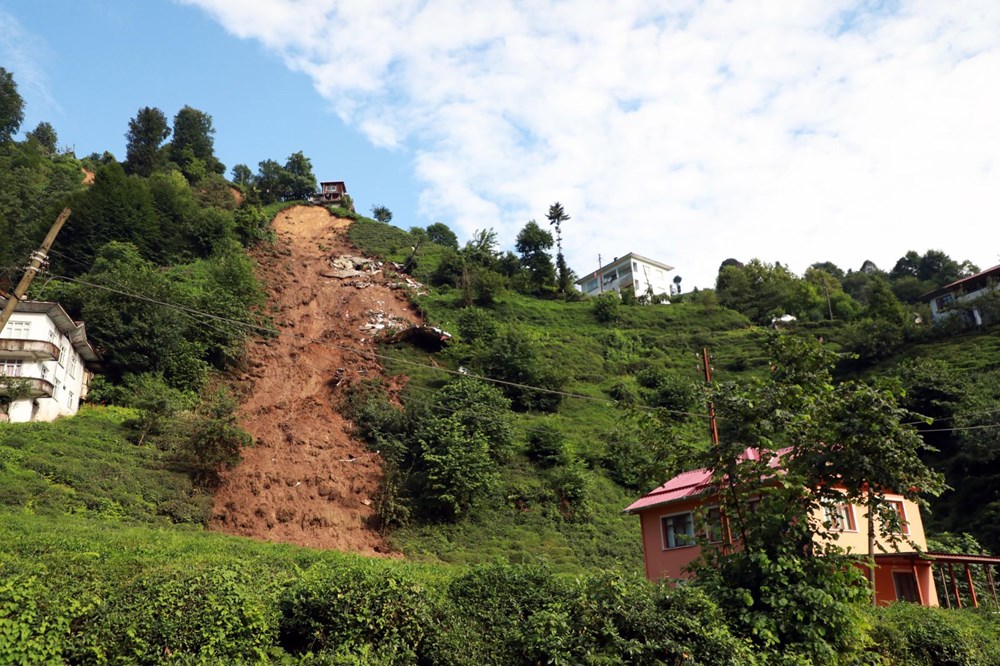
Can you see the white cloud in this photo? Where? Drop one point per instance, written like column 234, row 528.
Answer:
column 21, row 53
column 794, row 131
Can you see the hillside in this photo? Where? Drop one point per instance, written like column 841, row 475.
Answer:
column 307, row 481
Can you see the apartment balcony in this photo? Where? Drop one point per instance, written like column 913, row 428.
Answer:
column 38, row 388
column 32, row 350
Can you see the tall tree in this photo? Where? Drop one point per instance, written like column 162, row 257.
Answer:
column 441, row 234
column 299, row 181
column 533, row 244
column 11, row 106
column 193, row 147
column 556, row 217
column 381, row 214
column 145, row 136
column 268, row 181
column 45, row 136
column 242, row 175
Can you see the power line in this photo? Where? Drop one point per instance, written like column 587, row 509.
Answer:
column 366, row 354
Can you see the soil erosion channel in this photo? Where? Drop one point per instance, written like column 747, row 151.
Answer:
column 308, row 481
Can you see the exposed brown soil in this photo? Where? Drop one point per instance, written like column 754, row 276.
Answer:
column 88, row 176
column 307, row 481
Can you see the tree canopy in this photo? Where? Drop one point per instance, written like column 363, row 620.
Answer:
column 11, row 106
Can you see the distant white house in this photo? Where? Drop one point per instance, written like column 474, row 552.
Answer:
column 946, row 301
column 632, row 270
column 42, row 345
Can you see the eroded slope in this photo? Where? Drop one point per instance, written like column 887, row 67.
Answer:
column 308, row 482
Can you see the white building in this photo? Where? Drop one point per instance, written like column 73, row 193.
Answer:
column 643, row 275
column 42, row 345
column 958, row 297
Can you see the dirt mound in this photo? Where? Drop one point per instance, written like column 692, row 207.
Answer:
column 307, row 481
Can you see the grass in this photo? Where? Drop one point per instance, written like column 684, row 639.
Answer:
column 86, row 464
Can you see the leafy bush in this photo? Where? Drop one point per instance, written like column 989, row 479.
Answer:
column 608, row 308
column 547, row 445
column 457, row 466
column 913, row 635
column 351, row 609
column 215, row 615
column 36, row 621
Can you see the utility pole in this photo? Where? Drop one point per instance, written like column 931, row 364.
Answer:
column 38, row 258
column 713, row 431
column 600, row 275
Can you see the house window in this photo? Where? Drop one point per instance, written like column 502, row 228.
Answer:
column 609, row 277
column 635, row 266
column 678, row 530
column 840, row 517
column 62, row 355
column 906, row 586
column 69, row 400
column 590, row 286
column 17, row 330
column 945, row 301
column 897, row 506
column 72, row 365
column 11, row 367
column 713, row 525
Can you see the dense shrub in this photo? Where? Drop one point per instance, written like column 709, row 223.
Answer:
column 216, row 615
column 366, row 607
column 608, row 308
column 911, row 635
column 546, row 445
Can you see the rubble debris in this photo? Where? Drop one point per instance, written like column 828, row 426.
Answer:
column 428, row 338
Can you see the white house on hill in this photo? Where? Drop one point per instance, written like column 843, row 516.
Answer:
column 642, row 274
column 950, row 299
column 43, row 346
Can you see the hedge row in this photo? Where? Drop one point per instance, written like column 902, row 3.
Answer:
column 380, row 613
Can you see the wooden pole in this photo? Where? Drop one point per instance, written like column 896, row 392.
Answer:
column 944, row 587
column 993, row 587
column 972, row 587
column 954, row 585
column 37, row 260
column 920, row 589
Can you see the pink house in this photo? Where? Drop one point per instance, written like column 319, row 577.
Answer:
column 682, row 513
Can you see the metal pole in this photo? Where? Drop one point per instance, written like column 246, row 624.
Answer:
column 37, row 259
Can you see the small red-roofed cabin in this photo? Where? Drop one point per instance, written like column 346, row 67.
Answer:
column 332, row 193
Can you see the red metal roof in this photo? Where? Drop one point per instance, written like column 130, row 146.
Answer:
column 691, row 484
column 989, row 272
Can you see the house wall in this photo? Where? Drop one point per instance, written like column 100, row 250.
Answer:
column 856, row 541
column 628, row 272
column 665, row 562
column 662, row 562
column 67, row 375
column 885, row 587
column 939, row 314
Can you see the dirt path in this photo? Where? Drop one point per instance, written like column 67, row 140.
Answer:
column 308, row 482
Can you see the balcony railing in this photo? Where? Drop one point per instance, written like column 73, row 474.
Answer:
column 37, row 388
column 35, row 350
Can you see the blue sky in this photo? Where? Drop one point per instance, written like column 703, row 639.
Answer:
column 88, row 66
column 689, row 131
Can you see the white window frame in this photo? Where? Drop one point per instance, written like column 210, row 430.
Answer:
column 844, row 512
column 17, row 329
column 689, row 531
column 11, row 367
column 904, row 523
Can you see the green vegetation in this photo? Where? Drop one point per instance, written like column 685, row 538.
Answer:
column 508, row 456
